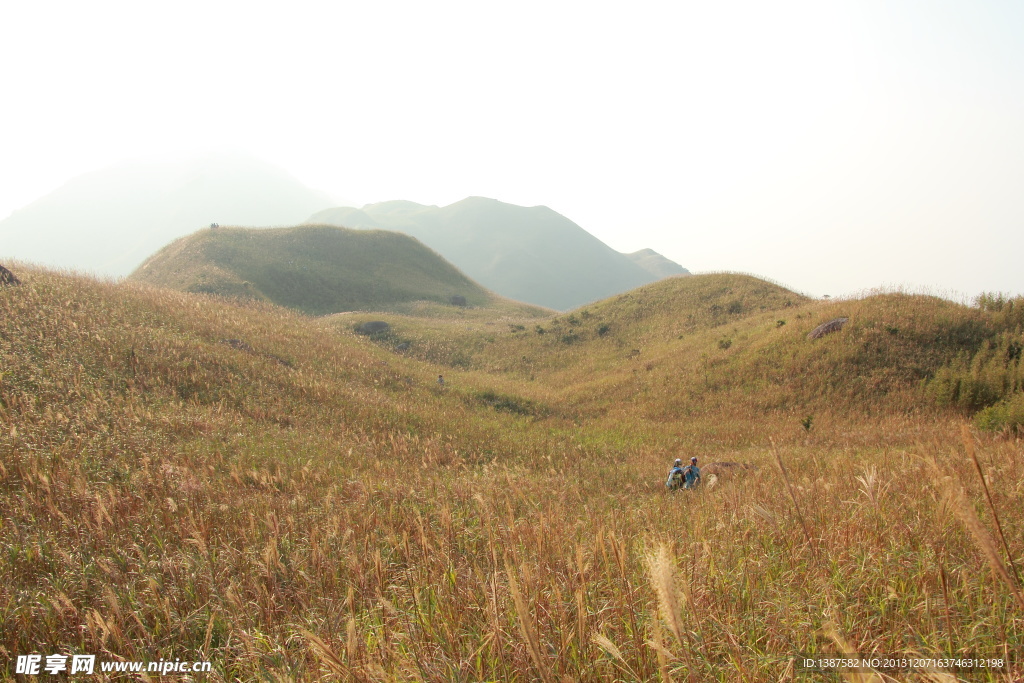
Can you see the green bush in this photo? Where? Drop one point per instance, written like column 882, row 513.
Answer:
column 1006, row 415
column 990, row 375
column 1009, row 311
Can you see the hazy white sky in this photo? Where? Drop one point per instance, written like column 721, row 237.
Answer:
column 834, row 146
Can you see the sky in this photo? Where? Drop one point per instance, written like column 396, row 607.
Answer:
column 836, row 147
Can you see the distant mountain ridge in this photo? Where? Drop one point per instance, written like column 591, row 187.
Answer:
column 656, row 264
column 530, row 254
column 108, row 221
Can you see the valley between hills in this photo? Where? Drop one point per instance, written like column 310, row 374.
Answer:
column 220, row 464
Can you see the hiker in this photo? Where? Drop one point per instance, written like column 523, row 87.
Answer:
column 680, row 477
column 676, row 476
column 440, row 380
column 692, row 474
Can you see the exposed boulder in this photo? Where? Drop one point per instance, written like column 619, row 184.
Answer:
column 827, row 328
column 7, row 277
column 238, row 344
column 726, row 468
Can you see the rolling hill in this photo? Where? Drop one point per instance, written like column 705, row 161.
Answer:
column 183, row 478
column 314, row 269
column 108, row 221
column 683, row 346
column 528, row 254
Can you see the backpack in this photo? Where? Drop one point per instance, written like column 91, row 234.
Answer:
column 676, row 479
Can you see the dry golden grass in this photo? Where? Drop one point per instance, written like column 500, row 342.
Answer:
column 314, row 507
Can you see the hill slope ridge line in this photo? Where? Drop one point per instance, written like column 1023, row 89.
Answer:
column 316, row 269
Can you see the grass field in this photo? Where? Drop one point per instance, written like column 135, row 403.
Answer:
column 184, row 477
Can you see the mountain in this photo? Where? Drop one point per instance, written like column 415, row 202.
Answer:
column 530, row 254
column 108, row 221
column 317, row 269
column 656, row 264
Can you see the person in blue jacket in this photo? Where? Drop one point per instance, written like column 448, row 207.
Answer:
column 691, row 474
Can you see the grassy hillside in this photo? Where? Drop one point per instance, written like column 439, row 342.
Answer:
column 680, row 344
column 183, row 477
column 314, row 269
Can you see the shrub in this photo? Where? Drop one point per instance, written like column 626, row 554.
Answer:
column 1010, row 310
column 1007, row 415
column 373, row 327
column 979, row 381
